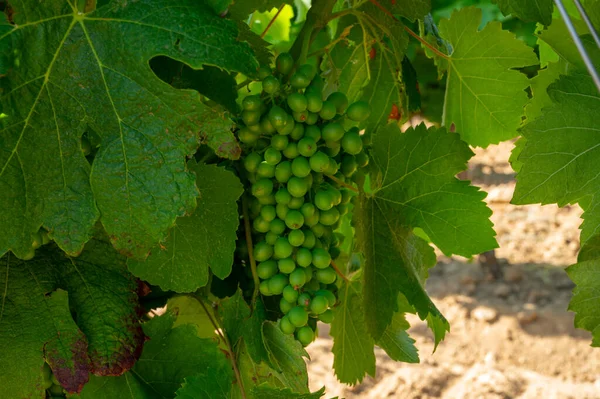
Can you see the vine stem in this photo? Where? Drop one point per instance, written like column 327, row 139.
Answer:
column 272, row 21
column 341, row 183
column 236, row 371
column 410, row 31
column 248, row 231
column 339, row 272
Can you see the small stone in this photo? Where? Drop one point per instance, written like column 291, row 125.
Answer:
column 513, row 274
column 527, row 317
column 484, row 313
column 502, row 291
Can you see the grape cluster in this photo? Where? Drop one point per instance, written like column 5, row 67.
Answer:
column 51, row 384
column 302, row 151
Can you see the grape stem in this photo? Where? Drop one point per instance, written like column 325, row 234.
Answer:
column 230, row 351
column 410, row 32
column 248, row 230
column 272, row 21
column 339, row 272
column 341, row 183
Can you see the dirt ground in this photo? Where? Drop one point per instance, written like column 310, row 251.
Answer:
column 511, row 337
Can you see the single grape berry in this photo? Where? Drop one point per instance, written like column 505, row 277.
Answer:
column 283, row 171
column 262, row 188
column 290, row 294
column 320, row 258
column 309, row 70
column 304, row 256
column 314, row 102
column 307, row 146
column 270, row 84
column 278, row 117
column 286, row 265
column 296, row 202
column 309, row 239
column 299, row 80
column 291, row 151
column 298, row 131
column 329, row 217
column 305, row 335
column 298, row 278
column 285, row 325
column 340, row 101
column 326, row 276
column 298, row 316
column 297, row 186
column 265, row 169
column 324, row 200
column 358, row 111
column 282, row 248
column 294, row 220
column 328, row 111
column 304, row 300
column 264, row 288
column 277, row 226
column 252, row 103
column 327, row 316
column 301, row 167
column 296, row 237
column 352, row 142
column 285, row 306
column 282, row 196
column 277, row 283
column 271, row 237
column 297, row 102
column 319, row 161
column 252, row 161
column 266, row 269
column 331, row 299
column 282, row 211
column 333, row 132
column 272, row 156
column 362, row 159
column 262, row 251
column 319, row 304
column 247, row 137
column 284, row 63
column 261, row 225
column 279, row 142
column 313, row 132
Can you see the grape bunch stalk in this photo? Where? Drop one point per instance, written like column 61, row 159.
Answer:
column 302, row 153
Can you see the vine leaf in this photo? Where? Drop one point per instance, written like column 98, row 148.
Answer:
column 215, row 383
column 204, row 239
column 69, row 80
column 395, row 341
column 485, row 95
column 264, row 391
column 410, row 9
column 287, row 355
column 352, row 344
column 586, row 300
column 171, row 355
column 104, row 337
column 528, row 11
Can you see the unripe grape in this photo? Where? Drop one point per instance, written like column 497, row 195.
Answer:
column 283, row 171
column 333, row 132
column 298, row 278
column 291, row 151
column 283, row 248
column 294, row 219
column 285, row 306
column 307, row 146
column 320, row 258
column 279, row 142
column 262, row 251
column 261, row 225
column 296, row 238
column 271, row 84
column 263, row 72
column 326, row 276
column 298, row 316
column 277, row 283
column 284, row 63
column 298, row 131
column 299, row 80
column 246, row 136
column 304, row 300
column 300, row 117
column 359, row 111
column 318, row 229
column 251, row 161
column 352, row 142
column 314, row 102
column 319, row 304
column 331, row 299
column 362, row 159
column 272, row 156
column 281, row 210
column 262, row 188
column 251, row 117
column 319, row 162
column 297, row 186
column 329, row 217
column 277, row 226
column 348, row 165
column 290, row 294
column 324, row 200
column 286, row 265
column 288, row 127
column 309, row 239
column 312, row 285
column 305, row 335
column 309, row 70
column 327, row 316
column 271, row 237
column 300, row 167
column 264, row 288
column 265, row 170
column 285, row 325
column 297, row 102
column 266, row 126
column 296, row 203
column 328, row 111
column 282, row 196
column 266, row 269
column 278, row 117
column 340, row 101
column 312, row 118
column 252, row 103
column 304, row 256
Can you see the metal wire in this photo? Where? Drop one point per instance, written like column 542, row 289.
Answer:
column 582, row 51
column 587, row 22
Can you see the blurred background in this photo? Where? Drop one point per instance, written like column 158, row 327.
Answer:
column 511, row 333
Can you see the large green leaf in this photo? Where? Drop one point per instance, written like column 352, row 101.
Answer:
column 411, row 9
column 586, row 297
column 352, row 344
column 204, row 239
column 528, row 11
column 264, row 391
column 70, row 71
column 485, row 95
column 170, row 355
column 395, row 340
column 103, row 337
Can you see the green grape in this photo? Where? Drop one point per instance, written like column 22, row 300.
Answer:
column 343, row 208
column 319, row 162
column 288, row 127
column 352, row 142
column 329, row 217
column 304, row 300
column 348, row 165
column 252, row 103
column 283, row 248
column 324, row 200
column 281, row 210
column 282, row 196
column 251, row 162
column 319, row 304
column 256, row 129
column 271, row 84
column 266, row 269
column 326, row 276
column 251, row 117
column 312, row 285
column 255, row 207
column 262, row 188
column 307, row 146
column 264, row 288
column 328, row 111
column 296, row 237
column 331, row 299
column 314, row 102
column 316, row 86
column 296, row 202
column 333, row 132
column 312, row 118
column 309, row 70
column 284, row 63
column 266, row 200
column 279, row 142
column 304, row 256
column 285, row 325
column 272, row 156
column 278, row 117
column 286, row 265
column 297, row 102
column 262, row 251
column 320, row 258
column 261, row 225
column 312, row 220
column 294, row 220
column 265, row 170
column 290, row 294
column 336, row 195
column 309, row 239
column 291, row 151
column 340, row 101
column 277, row 226
column 298, row 132
column 327, row 316
column 268, row 213
column 305, row 335
column 37, row 240
column 359, row 111
column 285, row 306
column 266, row 126
column 346, row 196
column 318, row 229
column 300, row 117
column 283, row 171
column 263, row 72
column 362, row 159
column 271, row 237
column 298, row 278
column 247, row 137
column 299, row 80
column 298, row 316
column 301, row 167
column 309, row 277
column 307, row 209
column 333, row 148
column 297, row 186
column 56, row 390
column 277, row 283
